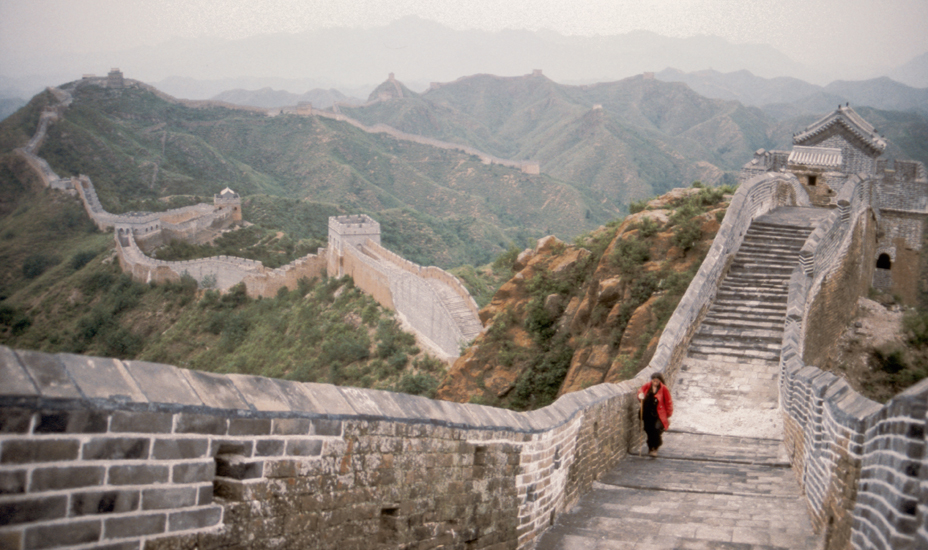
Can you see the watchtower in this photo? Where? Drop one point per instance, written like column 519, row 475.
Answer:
column 114, row 79
column 228, row 198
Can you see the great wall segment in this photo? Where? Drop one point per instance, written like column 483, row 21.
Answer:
column 429, row 301
column 97, row 452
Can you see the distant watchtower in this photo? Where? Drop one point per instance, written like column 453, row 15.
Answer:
column 228, row 198
column 114, row 79
column 345, row 232
column 352, row 231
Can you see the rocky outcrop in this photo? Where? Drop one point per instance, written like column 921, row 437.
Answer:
column 577, row 315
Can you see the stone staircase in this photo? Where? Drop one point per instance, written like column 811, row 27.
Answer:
column 463, row 316
column 746, row 320
column 722, row 478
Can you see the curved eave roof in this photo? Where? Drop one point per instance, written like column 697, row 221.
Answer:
column 849, row 120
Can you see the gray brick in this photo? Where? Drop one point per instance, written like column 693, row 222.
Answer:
column 195, row 519
column 12, row 482
column 102, row 378
column 134, row 526
column 54, row 536
column 62, row 477
column 126, row 545
column 231, row 447
column 116, row 448
column 250, row 426
column 162, row 383
column 216, row 390
column 262, row 393
column 179, row 449
column 169, row 497
column 77, row 421
column 140, row 474
column 236, row 467
column 104, row 502
column 205, row 495
column 39, row 450
column 144, row 422
column 15, row 421
column 195, row 472
column 49, row 374
column 15, row 379
column 269, row 447
column 305, row 447
column 326, row 427
column 30, row 510
column 11, row 540
column 292, row 426
column 201, row 424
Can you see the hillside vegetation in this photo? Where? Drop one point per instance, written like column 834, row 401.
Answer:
column 138, row 148
column 572, row 316
column 623, row 140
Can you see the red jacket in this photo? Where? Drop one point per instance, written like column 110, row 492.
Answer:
column 664, row 402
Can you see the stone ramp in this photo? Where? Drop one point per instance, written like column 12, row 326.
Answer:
column 702, row 492
column 464, row 317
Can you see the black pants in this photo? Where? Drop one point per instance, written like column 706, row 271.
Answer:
column 654, row 429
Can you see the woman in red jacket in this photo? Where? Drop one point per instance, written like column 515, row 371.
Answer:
column 656, row 409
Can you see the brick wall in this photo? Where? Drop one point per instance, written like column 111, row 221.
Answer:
column 861, row 465
column 97, row 452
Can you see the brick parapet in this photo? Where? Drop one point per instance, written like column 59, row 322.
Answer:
column 228, row 271
column 152, row 455
column 858, row 462
column 428, row 272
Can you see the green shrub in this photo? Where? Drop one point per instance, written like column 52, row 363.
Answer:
column 647, row 227
column 686, row 234
column 890, row 359
column 36, row 264
column 629, row 254
column 82, row 258
column 637, row 206
column 417, row 384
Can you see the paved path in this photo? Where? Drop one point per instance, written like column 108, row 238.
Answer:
column 722, row 479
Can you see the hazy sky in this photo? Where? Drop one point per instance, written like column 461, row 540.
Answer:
column 872, row 32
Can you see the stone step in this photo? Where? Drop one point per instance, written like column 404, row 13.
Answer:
column 740, row 355
column 756, row 323
column 704, row 344
column 748, row 306
column 739, row 333
column 747, row 294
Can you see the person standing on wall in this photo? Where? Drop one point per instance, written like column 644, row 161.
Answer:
column 656, row 410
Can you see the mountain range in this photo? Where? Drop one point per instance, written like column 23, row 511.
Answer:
column 417, row 50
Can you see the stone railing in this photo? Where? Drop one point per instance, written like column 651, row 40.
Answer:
column 97, row 452
column 753, row 198
column 863, row 466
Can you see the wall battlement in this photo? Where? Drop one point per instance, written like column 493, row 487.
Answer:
column 97, row 451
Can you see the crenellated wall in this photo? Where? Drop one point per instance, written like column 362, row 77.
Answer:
column 861, row 465
column 98, row 451
column 223, row 271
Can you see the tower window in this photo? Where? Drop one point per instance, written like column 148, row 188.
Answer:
column 883, row 262
column 812, row 180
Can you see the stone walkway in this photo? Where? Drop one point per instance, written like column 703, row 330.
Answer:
column 722, row 479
